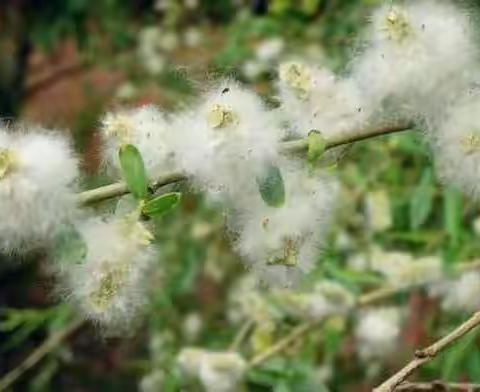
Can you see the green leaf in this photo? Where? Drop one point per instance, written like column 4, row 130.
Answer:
column 70, row 248
column 271, row 187
column 134, row 170
column 453, row 215
column 316, row 145
column 454, row 363
column 161, row 204
column 422, row 200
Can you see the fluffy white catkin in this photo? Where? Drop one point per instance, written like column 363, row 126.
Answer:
column 37, row 170
column 455, row 139
column 281, row 244
column 315, row 98
column 109, row 286
column 416, row 52
column 377, row 332
column 217, row 371
column 147, row 129
column 226, row 141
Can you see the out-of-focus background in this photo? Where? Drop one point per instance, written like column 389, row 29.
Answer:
column 63, row 63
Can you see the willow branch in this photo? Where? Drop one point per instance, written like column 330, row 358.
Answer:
column 241, row 335
column 429, row 353
column 296, row 146
column 370, row 298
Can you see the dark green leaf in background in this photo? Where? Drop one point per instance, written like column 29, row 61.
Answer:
column 271, row 187
column 316, row 145
column 422, row 200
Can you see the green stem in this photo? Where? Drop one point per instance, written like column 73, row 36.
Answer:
column 295, row 146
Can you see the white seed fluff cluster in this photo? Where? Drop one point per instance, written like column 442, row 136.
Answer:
column 109, row 286
column 217, row 371
column 314, row 98
column 37, row 171
column 402, row 269
column 416, row 52
column 456, row 143
column 282, row 243
column 377, row 332
column 226, row 141
column 463, row 294
column 147, row 129
column 327, row 298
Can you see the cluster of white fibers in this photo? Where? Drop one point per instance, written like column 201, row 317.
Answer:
column 280, row 244
column 455, row 139
column 37, row 171
column 378, row 332
column 226, row 141
column 327, row 298
column 315, row 98
column 416, row 52
column 147, row 129
column 217, row 371
column 109, row 285
column 463, row 294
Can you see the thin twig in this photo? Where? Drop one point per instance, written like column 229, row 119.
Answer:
column 301, row 145
column 370, row 298
column 241, row 335
column 429, row 353
column 437, row 386
column 283, row 344
column 53, row 341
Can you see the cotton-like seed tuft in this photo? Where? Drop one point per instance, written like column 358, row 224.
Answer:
column 455, row 139
column 377, row 333
column 226, row 141
column 217, row 371
column 280, row 244
column 110, row 284
column 37, row 172
column 314, row 98
column 147, row 129
column 416, row 54
column 463, row 294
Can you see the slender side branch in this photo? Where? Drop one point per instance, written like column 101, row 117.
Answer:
column 343, row 138
column 370, row 298
column 53, row 341
column 429, row 353
column 120, row 188
column 438, row 386
column 241, row 335
column 284, row 343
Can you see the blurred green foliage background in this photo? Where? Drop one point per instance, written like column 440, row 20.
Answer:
column 64, row 62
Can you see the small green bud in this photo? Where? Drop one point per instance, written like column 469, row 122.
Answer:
column 316, row 145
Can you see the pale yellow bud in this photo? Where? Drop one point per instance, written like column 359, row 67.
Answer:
column 471, row 142
column 110, row 283
column 120, row 127
column 221, row 116
column 297, row 76
column 8, row 162
column 397, row 25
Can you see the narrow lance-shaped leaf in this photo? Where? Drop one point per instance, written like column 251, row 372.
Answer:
column 161, row 204
column 133, row 170
column 421, row 201
column 271, row 187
